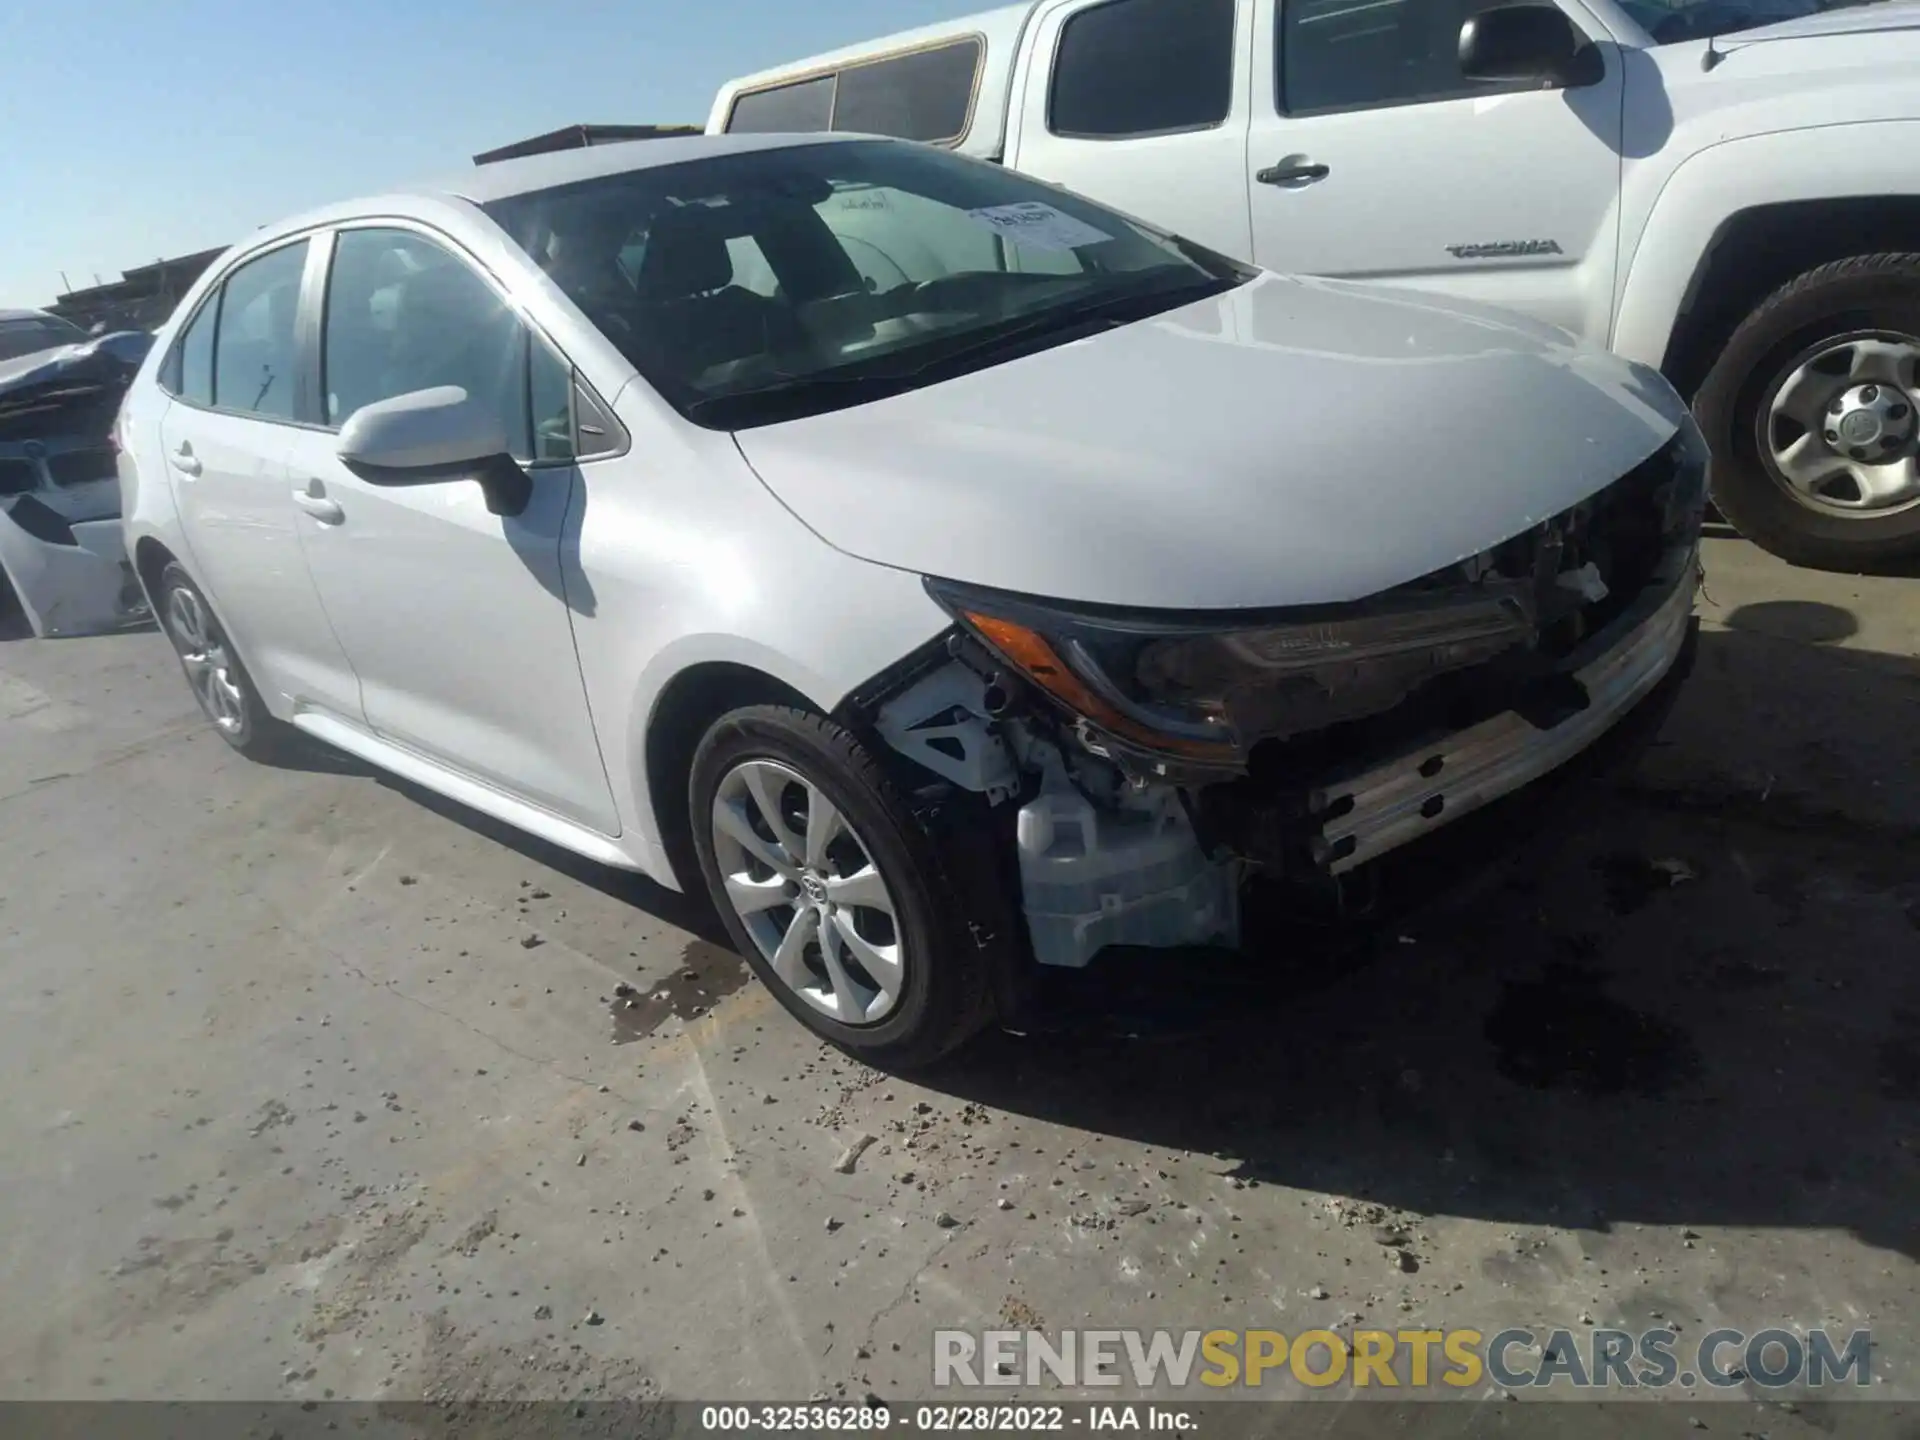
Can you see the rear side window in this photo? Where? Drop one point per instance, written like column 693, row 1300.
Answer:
column 804, row 108
column 924, row 95
column 195, row 376
column 255, row 346
column 29, row 337
column 1143, row 67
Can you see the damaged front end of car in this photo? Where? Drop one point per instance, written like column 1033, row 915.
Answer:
column 60, row 541
column 1143, row 766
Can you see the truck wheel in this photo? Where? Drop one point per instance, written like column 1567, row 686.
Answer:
column 1811, row 414
column 830, row 889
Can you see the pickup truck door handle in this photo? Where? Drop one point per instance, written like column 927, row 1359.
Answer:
column 184, row 460
column 1299, row 174
column 314, row 501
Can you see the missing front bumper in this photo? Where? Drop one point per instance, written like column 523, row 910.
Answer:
column 1391, row 804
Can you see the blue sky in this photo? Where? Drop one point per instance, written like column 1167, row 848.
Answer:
column 132, row 130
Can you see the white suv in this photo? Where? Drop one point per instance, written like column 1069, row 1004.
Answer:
column 938, row 626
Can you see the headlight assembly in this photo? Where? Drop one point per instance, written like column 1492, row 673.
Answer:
column 1205, row 689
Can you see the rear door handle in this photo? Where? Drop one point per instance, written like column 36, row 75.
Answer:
column 326, row 511
column 1301, row 174
column 184, row 460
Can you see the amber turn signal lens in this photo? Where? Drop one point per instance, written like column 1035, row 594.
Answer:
column 1036, row 658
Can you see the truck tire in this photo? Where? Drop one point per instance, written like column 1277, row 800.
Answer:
column 1811, row 415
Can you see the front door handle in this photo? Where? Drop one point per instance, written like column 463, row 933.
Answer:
column 1303, row 173
column 184, row 460
column 327, row 512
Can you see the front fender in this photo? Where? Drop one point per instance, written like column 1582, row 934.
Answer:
column 1707, row 191
column 820, row 648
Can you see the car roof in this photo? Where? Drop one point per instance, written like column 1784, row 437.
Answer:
column 40, row 315
column 502, row 179
column 486, row 183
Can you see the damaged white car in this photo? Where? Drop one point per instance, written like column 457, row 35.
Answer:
column 60, row 545
column 946, row 573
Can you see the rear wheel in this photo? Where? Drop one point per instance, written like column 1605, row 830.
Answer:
column 1813, row 413
column 830, row 889
column 219, row 681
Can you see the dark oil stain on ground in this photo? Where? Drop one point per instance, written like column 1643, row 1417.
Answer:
column 705, row 975
column 1899, row 1058
column 1562, row 1033
column 1631, row 880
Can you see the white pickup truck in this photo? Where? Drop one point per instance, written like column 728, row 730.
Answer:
column 1727, row 189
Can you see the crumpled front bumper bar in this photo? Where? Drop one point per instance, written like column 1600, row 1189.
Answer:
column 1391, row 804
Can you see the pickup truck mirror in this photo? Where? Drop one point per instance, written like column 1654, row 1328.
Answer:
column 1532, row 42
column 430, row 437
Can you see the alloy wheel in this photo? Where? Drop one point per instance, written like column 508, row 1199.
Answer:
column 209, row 665
column 806, row 888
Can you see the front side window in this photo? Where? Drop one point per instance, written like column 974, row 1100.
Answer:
column 1143, row 67
column 404, row 313
column 1365, row 54
column 256, row 351
column 768, row 279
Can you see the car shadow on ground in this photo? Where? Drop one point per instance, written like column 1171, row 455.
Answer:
column 692, row 914
column 1690, row 1004
column 1683, row 1012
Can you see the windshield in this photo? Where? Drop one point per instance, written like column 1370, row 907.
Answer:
column 753, row 287
column 1669, row 21
column 42, row 332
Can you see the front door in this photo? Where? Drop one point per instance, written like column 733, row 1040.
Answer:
column 456, row 620
column 226, row 435
column 1370, row 157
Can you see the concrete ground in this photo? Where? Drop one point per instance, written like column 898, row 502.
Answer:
column 315, row 1086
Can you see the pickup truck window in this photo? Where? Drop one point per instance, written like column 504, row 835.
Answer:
column 1669, row 22
column 804, row 278
column 925, row 94
column 1363, row 54
column 800, row 108
column 1143, row 67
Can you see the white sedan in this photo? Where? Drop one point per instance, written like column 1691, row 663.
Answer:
column 944, row 572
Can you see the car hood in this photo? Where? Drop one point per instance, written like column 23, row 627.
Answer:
column 1291, row 442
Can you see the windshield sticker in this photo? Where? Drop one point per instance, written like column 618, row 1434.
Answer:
column 1038, row 226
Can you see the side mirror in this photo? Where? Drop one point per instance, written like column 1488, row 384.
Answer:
column 430, row 437
column 1531, row 42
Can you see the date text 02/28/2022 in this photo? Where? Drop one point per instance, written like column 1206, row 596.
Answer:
column 941, row 1419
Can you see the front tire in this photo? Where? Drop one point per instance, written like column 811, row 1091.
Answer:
column 219, row 681
column 1811, row 413
column 831, row 889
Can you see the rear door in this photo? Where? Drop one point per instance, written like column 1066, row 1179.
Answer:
column 457, row 620
column 1144, row 105
column 1370, row 157
column 235, row 378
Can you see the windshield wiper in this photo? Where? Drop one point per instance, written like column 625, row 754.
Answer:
column 1125, row 307
column 803, row 388
column 859, row 385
